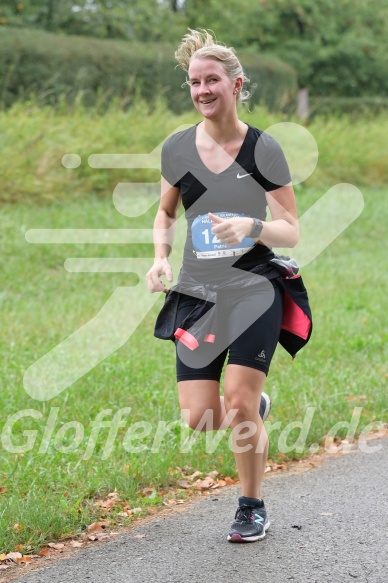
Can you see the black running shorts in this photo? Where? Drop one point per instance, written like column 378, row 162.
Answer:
column 241, row 338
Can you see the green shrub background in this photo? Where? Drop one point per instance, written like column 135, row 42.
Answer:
column 93, row 71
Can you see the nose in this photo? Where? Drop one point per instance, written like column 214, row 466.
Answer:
column 203, row 88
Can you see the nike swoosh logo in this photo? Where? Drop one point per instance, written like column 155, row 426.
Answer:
column 243, row 175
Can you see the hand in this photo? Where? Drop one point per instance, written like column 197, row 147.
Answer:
column 231, row 231
column 160, row 267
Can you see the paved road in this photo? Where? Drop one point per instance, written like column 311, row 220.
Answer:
column 340, row 510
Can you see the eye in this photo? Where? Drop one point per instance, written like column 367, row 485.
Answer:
column 193, row 83
column 213, row 80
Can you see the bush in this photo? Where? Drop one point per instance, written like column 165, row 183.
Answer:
column 351, row 106
column 93, row 71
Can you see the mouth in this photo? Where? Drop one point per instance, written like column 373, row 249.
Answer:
column 207, row 101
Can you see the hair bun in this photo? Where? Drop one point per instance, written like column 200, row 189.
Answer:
column 191, row 42
column 203, row 45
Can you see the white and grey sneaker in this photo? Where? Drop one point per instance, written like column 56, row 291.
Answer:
column 265, row 406
column 250, row 523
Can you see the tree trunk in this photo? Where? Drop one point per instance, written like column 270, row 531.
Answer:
column 50, row 15
column 302, row 110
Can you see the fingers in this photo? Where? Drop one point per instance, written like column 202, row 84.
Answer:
column 218, row 225
column 215, row 218
column 168, row 272
column 231, row 231
column 223, row 229
column 154, row 283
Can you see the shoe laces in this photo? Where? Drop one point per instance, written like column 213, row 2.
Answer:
column 243, row 513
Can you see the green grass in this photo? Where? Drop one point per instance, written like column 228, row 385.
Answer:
column 50, row 493
column 33, row 140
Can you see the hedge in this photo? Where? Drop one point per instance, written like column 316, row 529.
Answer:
column 351, row 106
column 55, row 66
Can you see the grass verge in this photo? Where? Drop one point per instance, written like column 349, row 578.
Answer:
column 48, row 487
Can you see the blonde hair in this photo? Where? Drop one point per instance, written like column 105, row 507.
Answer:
column 200, row 44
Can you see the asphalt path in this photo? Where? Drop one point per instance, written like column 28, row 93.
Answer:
column 328, row 525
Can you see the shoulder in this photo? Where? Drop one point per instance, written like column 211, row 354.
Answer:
column 177, row 140
column 264, row 139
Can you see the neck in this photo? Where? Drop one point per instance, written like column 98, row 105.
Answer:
column 224, row 130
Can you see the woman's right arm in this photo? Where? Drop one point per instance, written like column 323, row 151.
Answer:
column 164, row 231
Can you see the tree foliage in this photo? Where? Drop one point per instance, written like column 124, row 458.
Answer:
column 336, row 46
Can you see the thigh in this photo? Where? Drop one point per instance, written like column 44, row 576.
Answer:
column 199, row 395
column 203, row 363
column 256, row 345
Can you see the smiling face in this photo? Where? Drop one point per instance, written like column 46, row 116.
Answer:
column 212, row 91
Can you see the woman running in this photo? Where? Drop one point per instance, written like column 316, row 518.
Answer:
column 228, row 302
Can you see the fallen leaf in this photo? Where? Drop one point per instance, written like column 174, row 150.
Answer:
column 95, row 527
column 76, row 544
column 221, row 483
column 56, row 546
column 19, row 547
column 24, row 559
column 170, row 502
column 4, row 567
column 14, row 556
column 204, row 484
column 105, row 503
column 230, row 480
column 114, row 495
column 92, row 537
column 184, row 484
column 213, row 474
column 44, row 553
column 150, row 492
column 195, row 475
column 267, row 469
column 3, row 557
column 139, row 535
column 3, row 489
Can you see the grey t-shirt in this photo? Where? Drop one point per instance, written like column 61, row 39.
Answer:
column 260, row 167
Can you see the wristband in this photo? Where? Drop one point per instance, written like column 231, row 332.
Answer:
column 256, row 229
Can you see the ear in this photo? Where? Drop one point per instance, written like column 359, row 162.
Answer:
column 238, row 84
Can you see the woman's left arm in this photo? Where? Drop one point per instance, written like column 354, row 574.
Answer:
column 283, row 230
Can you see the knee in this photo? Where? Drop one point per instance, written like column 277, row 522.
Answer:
column 199, row 419
column 241, row 408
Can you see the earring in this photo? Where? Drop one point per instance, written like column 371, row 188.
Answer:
column 235, row 91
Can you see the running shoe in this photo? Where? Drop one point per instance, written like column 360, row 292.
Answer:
column 251, row 524
column 265, row 406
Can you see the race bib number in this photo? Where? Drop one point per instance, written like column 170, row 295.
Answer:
column 207, row 246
